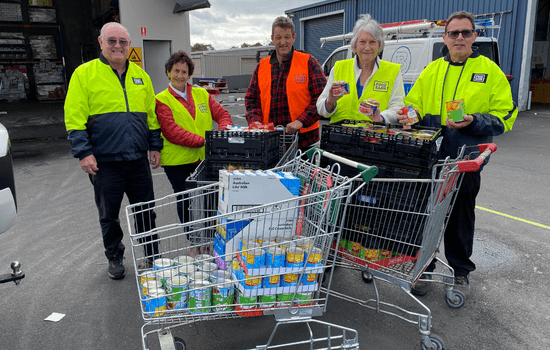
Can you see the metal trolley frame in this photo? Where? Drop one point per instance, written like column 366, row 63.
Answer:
column 300, row 230
column 391, row 230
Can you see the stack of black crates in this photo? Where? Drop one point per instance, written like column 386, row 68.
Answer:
column 233, row 149
column 396, row 154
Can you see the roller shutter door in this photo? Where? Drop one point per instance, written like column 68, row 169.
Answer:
column 317, row 28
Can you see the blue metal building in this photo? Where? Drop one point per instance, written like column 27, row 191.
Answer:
column 516, row 36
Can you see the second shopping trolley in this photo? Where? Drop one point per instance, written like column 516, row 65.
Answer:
column 391, row 230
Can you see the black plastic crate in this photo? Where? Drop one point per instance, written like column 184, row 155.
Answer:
column 242, row 145
column 369, row 144
column 385, row 169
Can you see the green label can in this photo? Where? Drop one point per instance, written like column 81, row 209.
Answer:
column 223, row 295
column 268, row 300
column 247, row 303
column 200, row 297
column 176, row 288
column 284, row 299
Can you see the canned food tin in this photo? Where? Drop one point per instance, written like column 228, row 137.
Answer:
column 198, row 276
column 302, row 241
column 254, row 258
column 177, row 285
column 304, row 298
column 315, row 255
column 148, row 276
column 162, row 263
column 200, row 297
column 220, row 275
column 295, row 257
column 252, row 282
column 340, row 88
column 284, row 299
column 275, row 257
column 290, row 279
column 308, row 278
column 164, row 275
column 187, row 270
column 411, row 115
column 149, row 285
column 156, row 305
column 271, row 281
column 367, row 108
column 208, row 267
column 184, row 260
column 247, row 302
column 249, row 246
column 222, row 296
column 287, row 245
column 201, row 258
column 268, row 300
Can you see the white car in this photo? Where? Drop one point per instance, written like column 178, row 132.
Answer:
column 8, row 208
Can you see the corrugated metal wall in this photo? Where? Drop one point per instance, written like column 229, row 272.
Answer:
column 216, row 64
column 387, row 11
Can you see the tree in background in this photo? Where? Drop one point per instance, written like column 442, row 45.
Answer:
column 202, row 47
column 245, row 45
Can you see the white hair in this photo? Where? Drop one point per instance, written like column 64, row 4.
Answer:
column 113, row 24
column 367, row 24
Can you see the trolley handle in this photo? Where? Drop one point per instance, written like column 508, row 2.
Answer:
column 485, row 150
column 367, row 172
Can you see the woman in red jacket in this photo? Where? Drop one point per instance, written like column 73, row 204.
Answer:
column 185, row 112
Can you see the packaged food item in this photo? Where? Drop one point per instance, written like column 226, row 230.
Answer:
column 456, row 110
column 411, row 115
column 340, row 88
column 367, row 108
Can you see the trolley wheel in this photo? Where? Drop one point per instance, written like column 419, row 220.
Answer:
column 367, row 277
column 458, row 300
column 437, row 343
column 179, row 344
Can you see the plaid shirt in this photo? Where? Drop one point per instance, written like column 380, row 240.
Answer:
column 279, row 112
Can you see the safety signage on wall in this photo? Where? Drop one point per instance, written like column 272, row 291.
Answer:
column 135, row 56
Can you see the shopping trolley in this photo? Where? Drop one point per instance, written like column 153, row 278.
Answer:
column 391, row 231
column 266, row 259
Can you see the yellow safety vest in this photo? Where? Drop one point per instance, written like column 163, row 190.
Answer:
column 173, row 154
column 379, row 88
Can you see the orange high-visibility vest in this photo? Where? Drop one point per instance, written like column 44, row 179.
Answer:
column 296, row 87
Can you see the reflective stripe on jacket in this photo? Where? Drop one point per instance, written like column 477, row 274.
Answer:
column 297, row 87
column 173, row 154
column 111, row 118
column 379, row 88
column 487, row 97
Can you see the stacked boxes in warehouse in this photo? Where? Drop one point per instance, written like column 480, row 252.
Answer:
column 31, row 55
column 398, row 154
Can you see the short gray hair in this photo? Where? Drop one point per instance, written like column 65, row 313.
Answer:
column 113, row 24
column 461, row 15
column 283, row 22
column 367, row 24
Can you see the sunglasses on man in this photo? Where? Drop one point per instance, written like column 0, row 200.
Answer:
column 466, row 33
column 122, row 42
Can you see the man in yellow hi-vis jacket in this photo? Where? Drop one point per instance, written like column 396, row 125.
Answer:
column 490, row 111
column 111, row 122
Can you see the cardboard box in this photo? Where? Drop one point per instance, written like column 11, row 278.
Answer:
column 456, row 110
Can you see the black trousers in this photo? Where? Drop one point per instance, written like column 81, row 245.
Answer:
column 177, row 174
column 111, row 182
column 459, row 234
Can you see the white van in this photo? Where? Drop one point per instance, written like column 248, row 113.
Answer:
column 414, row 54
column 7, row 183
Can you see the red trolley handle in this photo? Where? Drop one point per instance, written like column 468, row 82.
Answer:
column 485, row 150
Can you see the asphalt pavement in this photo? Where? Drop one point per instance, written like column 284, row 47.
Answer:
column 58, row 242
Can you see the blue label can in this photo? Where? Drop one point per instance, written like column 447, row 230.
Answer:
column 275, row 257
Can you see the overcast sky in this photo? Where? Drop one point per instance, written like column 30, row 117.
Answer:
column 230, row 23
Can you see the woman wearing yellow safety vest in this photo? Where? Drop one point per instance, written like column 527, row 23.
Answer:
column 185, row 113
column 368, row 78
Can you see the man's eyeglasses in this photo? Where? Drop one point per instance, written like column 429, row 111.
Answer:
column 122, row 42
column 466, row 33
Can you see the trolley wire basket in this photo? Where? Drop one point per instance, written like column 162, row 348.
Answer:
column 391, row 231
column 237, row 257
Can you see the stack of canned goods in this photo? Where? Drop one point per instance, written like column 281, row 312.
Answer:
column 187, row 284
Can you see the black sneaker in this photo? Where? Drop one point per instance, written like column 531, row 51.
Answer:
column 422, row 288
column 462, row 283
column 116, row 270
